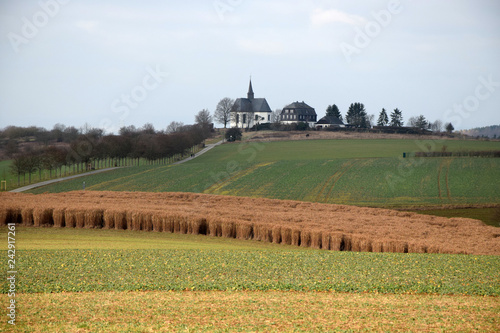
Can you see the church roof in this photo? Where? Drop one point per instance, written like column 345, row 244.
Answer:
column 251, row 105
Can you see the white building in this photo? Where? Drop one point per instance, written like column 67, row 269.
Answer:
column 250, row 111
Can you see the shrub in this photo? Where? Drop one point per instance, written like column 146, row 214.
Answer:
column 233, row 134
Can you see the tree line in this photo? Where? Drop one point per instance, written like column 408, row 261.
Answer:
column 357, row 117
column 33, row 149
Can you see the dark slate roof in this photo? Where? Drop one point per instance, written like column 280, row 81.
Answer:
column 331, row 120
column 251, row 105
column 300, row 108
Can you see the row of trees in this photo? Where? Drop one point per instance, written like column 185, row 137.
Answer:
column 92, row 148
column 357, row 117
column 59, row 133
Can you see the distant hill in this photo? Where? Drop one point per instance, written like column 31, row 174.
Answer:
column 488, row 131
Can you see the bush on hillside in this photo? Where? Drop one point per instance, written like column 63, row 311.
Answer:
column 233, row 134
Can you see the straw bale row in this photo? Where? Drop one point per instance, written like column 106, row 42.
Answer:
column 318, row 226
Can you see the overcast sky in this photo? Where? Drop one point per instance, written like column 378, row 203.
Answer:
column 120, row 63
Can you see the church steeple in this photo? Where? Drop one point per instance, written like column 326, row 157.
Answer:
column 250, row 94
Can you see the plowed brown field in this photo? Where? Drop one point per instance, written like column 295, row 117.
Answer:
column 322, row 226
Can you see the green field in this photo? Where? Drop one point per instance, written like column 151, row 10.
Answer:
column 73, row 260
column 45, row 174
column 356, row 172
column 12, row 179
column 115, row 281
column 490, row 216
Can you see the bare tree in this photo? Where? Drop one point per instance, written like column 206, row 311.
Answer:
column 204, row 120
column 18, row 166
column 148, row 128
column 222, row 113
column 32, row 160
column 437, row 126
column 203, row 117
column 371, row 120
column 174, row 127
column 276, row 116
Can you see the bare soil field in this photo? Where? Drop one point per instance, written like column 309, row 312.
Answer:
column 321, row 226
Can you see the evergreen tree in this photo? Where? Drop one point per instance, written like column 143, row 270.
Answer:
column 397, row 118
column 421, row 122
column 333, row 111
column 383, row 119
column 449, row 128
column 356, row 115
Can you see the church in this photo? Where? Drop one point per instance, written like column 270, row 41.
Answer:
column 250, row 111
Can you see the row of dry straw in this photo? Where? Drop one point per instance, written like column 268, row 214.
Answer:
column 198, row 225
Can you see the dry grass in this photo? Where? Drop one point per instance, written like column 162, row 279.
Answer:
column 252, row 312
column 320, row 226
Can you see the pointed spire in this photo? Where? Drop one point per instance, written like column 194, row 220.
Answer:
column 250, row 94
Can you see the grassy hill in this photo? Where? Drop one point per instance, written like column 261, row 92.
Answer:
column 357, row 172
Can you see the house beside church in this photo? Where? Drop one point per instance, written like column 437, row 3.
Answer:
column 298, row 112
column 250, row 111
column 329, row 121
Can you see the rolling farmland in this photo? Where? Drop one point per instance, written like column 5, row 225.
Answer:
column 90, row 280
column 355, row 172
column 135, row 261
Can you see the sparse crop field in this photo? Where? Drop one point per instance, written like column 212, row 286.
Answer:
column 355, row 172
column 272, row 311
column 78, row 280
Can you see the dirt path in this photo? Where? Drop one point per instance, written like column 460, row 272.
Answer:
column 201, row 152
